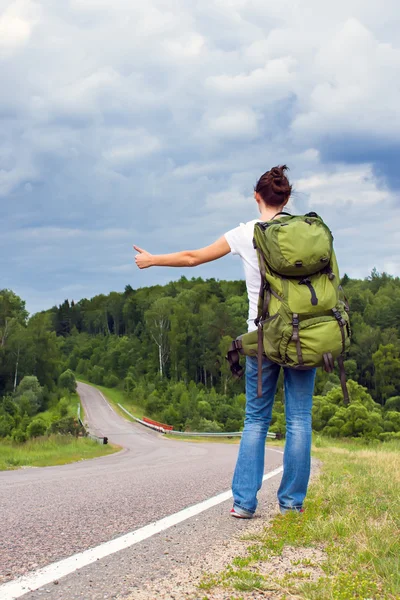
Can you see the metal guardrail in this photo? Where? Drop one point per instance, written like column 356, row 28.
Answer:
column 148, row 425
column 92, row 436
column 274, row 436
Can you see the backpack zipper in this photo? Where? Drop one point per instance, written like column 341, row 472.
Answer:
column 307, row 282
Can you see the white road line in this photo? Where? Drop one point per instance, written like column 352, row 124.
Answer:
column 108, row 404
column 37, row 579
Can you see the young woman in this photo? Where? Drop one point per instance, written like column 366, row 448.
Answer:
column 271, row 193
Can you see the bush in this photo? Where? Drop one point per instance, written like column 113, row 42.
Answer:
column 65, row 426
column 29, row 395
column 67, row 381
column 6, row 425
column 19, row 436
column 36, row 428
column 209, row 426
column 63, row 407
column 111, row 381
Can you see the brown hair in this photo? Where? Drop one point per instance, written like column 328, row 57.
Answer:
column 274, row 187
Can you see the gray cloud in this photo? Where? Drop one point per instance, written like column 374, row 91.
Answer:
column 150, row 122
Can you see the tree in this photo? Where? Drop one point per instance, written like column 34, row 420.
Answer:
column 158, row 324
column 12, row 312
column 387, row 371
column 29, row 395
column 67, row 381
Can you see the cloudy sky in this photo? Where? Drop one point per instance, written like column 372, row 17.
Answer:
column 124, row 121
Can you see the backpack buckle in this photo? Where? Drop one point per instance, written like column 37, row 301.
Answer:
column 295, row 323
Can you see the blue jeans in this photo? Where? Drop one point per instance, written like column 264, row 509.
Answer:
column 248, row 476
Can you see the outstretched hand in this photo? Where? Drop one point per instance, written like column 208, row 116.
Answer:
column 143, row 259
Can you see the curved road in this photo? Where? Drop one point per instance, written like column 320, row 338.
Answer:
column 53, row 512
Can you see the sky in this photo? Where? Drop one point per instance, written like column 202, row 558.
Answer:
column 127, row 122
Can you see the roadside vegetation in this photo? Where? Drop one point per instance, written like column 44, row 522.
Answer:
column 159, row 351
column 38, row 400
column 345, row 546
column 50, row 451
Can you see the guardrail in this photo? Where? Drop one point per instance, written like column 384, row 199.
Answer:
column 148, row 425
column 274, row 436
column 92, row 436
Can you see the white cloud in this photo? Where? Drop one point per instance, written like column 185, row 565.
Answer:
column 16, row 23
column 274, row 77
column 126, row 147
column 345, row 186
column 354, row 89
column 233, row 124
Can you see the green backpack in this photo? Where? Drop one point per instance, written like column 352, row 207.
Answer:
column 302, row 317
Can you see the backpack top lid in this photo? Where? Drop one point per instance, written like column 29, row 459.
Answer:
column 294, row 246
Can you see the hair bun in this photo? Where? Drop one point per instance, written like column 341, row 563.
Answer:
column 274, row 187
column 277, row 174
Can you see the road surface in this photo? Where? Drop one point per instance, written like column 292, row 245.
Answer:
column 54, row 512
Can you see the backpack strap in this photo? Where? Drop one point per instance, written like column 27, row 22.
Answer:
column 296, row 338
column 329, row 367
column 263, row 313
column 265, row 292
column 342, row 374
column 281, row 213
column 260, row 351
column 342, row 325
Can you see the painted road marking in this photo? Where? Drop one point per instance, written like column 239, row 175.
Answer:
column 37, row 579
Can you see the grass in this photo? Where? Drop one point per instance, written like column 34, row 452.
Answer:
column 351, row 521
column 53, row 450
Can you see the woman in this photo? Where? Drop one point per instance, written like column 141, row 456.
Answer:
column 271, row 193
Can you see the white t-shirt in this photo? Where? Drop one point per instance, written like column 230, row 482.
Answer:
column 240, row 241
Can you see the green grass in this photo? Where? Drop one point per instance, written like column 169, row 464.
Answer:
column 54, row 450
column 117, row 396
column 352, row 519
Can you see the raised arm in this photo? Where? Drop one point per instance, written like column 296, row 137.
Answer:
column 186, row 258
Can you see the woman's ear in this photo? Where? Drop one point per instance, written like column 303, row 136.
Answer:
column 257, row 198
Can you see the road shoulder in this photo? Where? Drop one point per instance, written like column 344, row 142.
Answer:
column 187, row 572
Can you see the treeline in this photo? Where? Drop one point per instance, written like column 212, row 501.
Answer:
column 36, row 390
column 165, row 346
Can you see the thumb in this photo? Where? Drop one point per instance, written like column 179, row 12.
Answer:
column 140, row 250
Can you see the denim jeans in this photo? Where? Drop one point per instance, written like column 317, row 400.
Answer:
column 248, row 476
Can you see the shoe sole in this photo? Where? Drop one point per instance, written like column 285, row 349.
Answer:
column 238, row 516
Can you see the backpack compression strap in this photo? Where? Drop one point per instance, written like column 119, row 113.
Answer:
column 343, row 383
column 233, row 358
column 329, row 365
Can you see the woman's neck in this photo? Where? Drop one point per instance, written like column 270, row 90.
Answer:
column 267, row 213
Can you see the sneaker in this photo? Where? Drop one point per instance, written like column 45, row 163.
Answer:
column 238, row 515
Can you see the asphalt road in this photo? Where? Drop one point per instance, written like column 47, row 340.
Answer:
column 51, row 513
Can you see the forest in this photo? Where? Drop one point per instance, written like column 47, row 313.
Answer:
column 165, row 347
